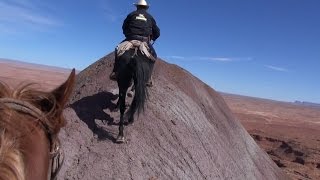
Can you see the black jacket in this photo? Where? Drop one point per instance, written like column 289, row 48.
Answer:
column 140, row 23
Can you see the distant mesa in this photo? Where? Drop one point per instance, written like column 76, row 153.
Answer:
column 23, row 64
column 305, row 103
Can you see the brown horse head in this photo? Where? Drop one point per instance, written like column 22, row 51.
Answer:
column 30, row 121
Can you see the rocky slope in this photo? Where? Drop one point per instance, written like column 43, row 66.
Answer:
column 186, row 132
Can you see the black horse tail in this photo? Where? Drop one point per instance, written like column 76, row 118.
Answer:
column 142, row 69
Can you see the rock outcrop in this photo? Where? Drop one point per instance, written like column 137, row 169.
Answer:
column 186, row 132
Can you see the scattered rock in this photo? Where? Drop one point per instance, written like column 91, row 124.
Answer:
column 299, row 160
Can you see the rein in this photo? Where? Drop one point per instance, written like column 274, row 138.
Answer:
column 56, row 155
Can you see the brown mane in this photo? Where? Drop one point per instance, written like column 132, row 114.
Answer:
column 14, row 125
column 11, row 163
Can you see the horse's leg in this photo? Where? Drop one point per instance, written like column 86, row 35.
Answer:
column 133, row 105
column 122, row 104
column 117, row 107
column 131, row 117
column 131, row 92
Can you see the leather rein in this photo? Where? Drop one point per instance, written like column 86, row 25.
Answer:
column 56, row 154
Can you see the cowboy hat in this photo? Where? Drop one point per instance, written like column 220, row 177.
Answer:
column 141, row 3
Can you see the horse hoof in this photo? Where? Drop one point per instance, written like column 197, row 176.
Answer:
column 115, row 110
column 120, row 139
column 130, row 121
column 130, row 94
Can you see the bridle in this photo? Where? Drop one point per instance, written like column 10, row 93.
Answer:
column 56, row 154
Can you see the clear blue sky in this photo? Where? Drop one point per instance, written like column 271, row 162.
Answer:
column 261, row 48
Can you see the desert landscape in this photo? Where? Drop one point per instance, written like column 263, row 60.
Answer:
column 16, row 72
column 287, row 132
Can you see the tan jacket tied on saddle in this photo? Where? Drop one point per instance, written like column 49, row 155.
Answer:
column 137, row 45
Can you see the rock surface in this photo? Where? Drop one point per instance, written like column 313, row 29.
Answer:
column 186, row 132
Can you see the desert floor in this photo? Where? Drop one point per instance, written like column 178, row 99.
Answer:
column 289, row 133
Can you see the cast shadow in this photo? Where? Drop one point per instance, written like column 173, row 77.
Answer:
column 90, row 108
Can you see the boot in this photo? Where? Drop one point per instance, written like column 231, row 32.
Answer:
column 114, row 75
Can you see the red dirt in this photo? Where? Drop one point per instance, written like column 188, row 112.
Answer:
column 289, row 133
column 15, row 73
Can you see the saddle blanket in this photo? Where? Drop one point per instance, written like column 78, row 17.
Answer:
column 141, row 46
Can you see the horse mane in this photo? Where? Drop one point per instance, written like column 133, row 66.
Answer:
column 12, row 166
column 13, row 126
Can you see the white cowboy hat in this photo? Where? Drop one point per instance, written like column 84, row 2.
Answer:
column 141, row 3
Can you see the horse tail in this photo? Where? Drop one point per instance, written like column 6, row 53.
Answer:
column 11, row 163
column 142, row 69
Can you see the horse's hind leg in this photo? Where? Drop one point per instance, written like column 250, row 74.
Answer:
column 131, row 116
column 122, row 104
column 131, row 91
column 133, row 107
column 116, row 108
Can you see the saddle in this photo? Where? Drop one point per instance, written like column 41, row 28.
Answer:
column 137, row 45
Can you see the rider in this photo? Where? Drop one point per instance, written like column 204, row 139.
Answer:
column 139, row 25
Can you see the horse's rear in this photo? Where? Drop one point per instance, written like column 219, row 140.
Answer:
column 137, row 68
column 30, row 121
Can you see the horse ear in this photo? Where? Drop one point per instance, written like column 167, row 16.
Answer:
column 63, row 92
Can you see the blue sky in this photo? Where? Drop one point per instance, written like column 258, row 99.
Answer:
column 261, row 48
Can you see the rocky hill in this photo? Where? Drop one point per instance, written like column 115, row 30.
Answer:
column 186, row 132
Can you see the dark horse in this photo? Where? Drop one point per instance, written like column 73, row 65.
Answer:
column 133, row 65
